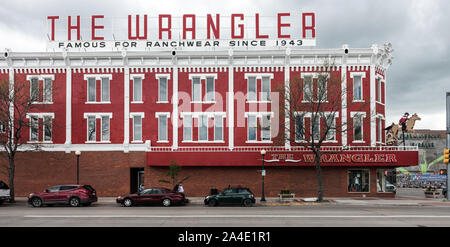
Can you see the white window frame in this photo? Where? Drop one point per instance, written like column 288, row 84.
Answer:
column 98, row 77
column 362, row 115
column 209, row 115
column 218, row 118
column 40, row 116
column 41, row 78
column 259, row 115
column 363, row 76
column 133, row 78
column 202, row 77
column 334, row 140
column 98, row 115
column 132, row 117
column 167, row 115
column 208, row 97
column 159, row 77
column 302, row 117
column 43, row 128
column 258, row 96
column 200, row 125
column 191, row 132
column 313, row 76
column 380, row 118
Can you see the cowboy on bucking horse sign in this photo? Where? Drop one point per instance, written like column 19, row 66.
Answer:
column 403, row 120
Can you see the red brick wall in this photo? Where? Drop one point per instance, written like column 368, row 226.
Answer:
column 299, row 180
column 109, row 174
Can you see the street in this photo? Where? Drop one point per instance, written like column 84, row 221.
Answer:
column 197, row 215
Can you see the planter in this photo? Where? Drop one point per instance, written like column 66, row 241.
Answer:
column 432, row 193
column 286, row 197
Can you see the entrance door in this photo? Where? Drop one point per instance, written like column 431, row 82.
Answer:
column 136, row 179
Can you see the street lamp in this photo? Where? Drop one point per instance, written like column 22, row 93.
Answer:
column 263, row 173
column 78, row 153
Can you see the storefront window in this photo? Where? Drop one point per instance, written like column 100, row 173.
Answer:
column 358, row 180
column 386, row 180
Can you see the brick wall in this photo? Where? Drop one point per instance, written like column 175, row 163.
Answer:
column 109, row 174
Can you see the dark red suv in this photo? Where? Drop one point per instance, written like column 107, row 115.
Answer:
column 73, row 195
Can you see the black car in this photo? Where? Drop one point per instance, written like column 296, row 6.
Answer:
column 231, row 196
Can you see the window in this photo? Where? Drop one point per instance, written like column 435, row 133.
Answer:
column 251, row 94
column 162, row 93
column 307, row 88
column 315, row 131
column 34, row 94
column 252, row 127
column 331, row 126
column 299, row 128
column 137, row 128
column 91, row 128
column 187, row 128
column 105, row 89
column 196, row 90
column 386, row 180
column 137, row 89
column 265, row 88
column 357, row 128
column 162, row 129
column 105, row 128
column 48, row 90
column 209, row 89
column 47, row 128
column 322, row 88
column 358, row 180
column 265, row 128
column 357, row 87
column 34, row 128
column 378, row 89
column 203, row 128
column 380, row 129
column 91, row 90
column 218, row 128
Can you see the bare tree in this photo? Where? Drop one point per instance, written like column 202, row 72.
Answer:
column 16, row 101
column 318, row 96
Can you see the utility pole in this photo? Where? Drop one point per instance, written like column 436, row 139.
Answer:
column 448, row 137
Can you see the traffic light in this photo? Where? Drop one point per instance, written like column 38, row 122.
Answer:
column 443, row 172
column 446, row 156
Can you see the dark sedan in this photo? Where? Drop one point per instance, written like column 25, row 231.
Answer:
column 231, row 196
column 152, row 196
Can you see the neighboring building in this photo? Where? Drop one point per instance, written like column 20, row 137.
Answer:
column 431, row 144
column 131, row 113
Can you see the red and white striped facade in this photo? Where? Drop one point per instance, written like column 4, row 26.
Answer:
column 70, row 108
column 216, row 147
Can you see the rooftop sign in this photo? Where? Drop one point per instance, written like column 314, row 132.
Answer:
column 189, row 31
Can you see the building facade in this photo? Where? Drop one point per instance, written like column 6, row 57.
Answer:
column 132, row 113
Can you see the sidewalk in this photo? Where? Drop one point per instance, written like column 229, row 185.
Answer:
column 274, row 201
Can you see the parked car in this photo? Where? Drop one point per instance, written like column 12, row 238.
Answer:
column 73, row 195
column 152, row 196
column 231, row 196
column 4, row 192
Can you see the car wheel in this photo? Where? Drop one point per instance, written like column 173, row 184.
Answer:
column 212, row 202
column 36, row 202
column 74, row 202
column 247, row 203
column 127, row 202
column 166, row 202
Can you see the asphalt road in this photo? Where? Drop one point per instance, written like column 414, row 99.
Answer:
column 331, row 215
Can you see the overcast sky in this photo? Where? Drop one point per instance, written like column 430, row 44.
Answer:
column 418, row 30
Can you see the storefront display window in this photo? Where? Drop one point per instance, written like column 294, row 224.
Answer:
column 386, row 180
column 358, row 180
